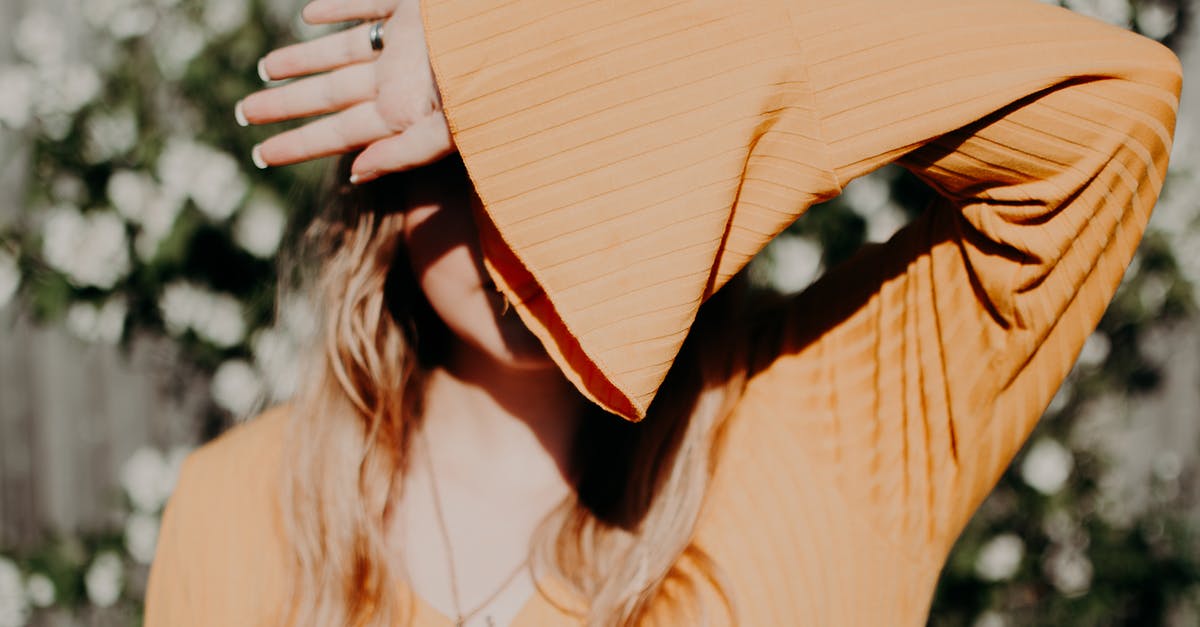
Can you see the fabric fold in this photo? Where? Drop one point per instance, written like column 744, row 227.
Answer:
column 631, row 157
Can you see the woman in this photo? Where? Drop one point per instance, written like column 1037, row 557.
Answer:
column 803, row 462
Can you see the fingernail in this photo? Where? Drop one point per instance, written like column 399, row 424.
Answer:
column 240, row 115
column 262, row 70
column 354, row 179
column 256, row 156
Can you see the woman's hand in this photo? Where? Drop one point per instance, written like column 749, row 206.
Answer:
column 385, row 102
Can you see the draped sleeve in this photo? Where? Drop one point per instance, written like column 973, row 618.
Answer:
column 631, row 155
column 924, row 363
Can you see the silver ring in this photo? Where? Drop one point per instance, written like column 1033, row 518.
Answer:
column 376, row 36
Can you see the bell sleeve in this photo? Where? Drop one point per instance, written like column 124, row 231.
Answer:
column 632, row 155
column 916, row 371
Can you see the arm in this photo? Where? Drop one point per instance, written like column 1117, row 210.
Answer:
column 1046, row 136
column 632, row 155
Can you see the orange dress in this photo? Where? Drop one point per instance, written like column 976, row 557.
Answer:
column 632, row 155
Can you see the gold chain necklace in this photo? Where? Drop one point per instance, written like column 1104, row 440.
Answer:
column 461, row 618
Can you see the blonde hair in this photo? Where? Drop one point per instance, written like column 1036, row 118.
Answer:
column 623, row 537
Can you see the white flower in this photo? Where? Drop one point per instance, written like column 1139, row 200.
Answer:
column 217, row 184
column 275, row 354
column 83, row 84
column 157, row 223
column 1156, row 19
column 103, row 579
column 214, row 317
column 132, row 21
column 137, row 197
column 10, row 278
column 63, row 90
column 224, row 325
column 1153, row 292
column 883, row 223
column 1095, row 350
column 90, row 249
column 146, row 479
column 223, row 16
column 870, row 196
column 866, row 193
column 237, row 387
column 110, row 135
column 259, row 227
column 141, row 536
column 100, row 325
column 1069, row 570
column 990, row 618
column 1000, row 557
column 176, row 42
column 14, row 607
column 101, row 13
column 1116, row 12
column 18, row 91
column 130, row 192
column 41, row 590
column 40, row 38
column 795, row 263
column 175, row 164
column 210, row 177
column 103, row 324
column 1047, row 466
column 177, row 306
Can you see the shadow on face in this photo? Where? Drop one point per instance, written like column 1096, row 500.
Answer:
column 442, row 241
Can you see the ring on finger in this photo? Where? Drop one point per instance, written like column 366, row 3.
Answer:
column 375, row 34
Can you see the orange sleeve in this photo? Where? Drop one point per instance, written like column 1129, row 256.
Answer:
column 632, row 155
column 923, row 364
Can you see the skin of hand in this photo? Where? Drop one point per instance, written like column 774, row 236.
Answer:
column 385, row 103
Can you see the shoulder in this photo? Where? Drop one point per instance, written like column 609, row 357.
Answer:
column 239, row 466
column 222, row 545
column 239, row 469
column 246, row 453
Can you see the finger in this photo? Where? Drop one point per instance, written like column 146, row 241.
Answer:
column 426, row 141
column 329, row 11
column 335, row 134
column 324, row 93
column 329, row 52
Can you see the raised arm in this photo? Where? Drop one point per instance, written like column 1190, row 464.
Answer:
column 632, row 155
column 1046, row 135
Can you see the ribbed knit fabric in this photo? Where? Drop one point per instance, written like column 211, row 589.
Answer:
column 632, row 155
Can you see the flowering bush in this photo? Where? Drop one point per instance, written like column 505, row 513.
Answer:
column 103, row 571
column 144, row 215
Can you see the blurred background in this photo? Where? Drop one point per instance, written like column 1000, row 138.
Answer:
column 138, row 319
